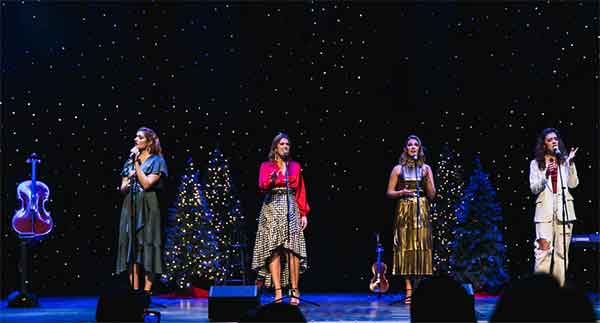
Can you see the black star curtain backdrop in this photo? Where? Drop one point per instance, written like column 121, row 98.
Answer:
column 347, row 81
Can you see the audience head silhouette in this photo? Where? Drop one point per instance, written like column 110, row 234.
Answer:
column 539, row 298
column 441, row 299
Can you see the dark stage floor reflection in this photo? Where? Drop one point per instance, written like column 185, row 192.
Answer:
column 335, row 307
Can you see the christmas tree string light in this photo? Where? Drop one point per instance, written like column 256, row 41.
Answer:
column 225, row 207
column 192, row 253
column 449, row 186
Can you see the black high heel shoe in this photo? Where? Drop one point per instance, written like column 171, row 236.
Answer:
column 278, row 299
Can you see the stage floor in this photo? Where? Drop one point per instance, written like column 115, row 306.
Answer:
column 333, row 308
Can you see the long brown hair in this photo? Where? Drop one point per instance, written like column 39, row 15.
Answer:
column 154, row 146
column 275, row 142
column 404, row 158
column 540, row 148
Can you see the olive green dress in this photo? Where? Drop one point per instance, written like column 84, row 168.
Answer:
column 147, row 220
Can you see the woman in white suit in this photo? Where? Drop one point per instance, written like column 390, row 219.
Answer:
column 545, row 182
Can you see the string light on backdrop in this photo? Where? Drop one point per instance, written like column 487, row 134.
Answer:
column 346, row 81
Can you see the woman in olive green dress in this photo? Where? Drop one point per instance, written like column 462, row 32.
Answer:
column 412, row 256
column 143, row 175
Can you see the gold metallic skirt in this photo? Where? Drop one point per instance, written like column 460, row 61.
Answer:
column 412, row 238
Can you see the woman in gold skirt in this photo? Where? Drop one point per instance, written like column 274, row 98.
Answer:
column 412, row 231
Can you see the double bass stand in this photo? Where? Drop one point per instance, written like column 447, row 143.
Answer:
column 21, row 297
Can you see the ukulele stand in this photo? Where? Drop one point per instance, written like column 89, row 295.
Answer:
column 379, row 295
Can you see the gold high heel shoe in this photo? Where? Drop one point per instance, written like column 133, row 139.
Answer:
column 408, row 296
column 294, row 300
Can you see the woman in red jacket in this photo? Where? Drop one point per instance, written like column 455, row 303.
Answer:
column 280, row 238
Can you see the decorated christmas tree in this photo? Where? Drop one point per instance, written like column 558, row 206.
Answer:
column 227, row 217
column 449, row 186
column 478, row 251
column 192, row 254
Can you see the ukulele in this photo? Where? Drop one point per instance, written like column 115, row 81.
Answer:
column 379, row 284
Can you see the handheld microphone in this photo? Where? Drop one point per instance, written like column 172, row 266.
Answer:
column 556, row 151
column 415, row 157
column 133, row 153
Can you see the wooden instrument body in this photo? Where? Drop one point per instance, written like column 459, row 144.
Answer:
column 32, row 220
column 379, row 283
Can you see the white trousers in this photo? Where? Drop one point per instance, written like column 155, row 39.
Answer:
column 552, row 261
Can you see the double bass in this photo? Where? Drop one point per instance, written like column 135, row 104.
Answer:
column 379, row 284
column 32, row 220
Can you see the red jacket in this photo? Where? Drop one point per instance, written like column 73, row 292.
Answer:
column 295, row 181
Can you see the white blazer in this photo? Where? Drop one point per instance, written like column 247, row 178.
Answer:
column 548, row 201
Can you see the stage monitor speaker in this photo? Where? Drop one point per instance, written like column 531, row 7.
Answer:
column 121, row 306
column 230, row 303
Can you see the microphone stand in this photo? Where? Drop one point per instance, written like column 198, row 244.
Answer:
column 132, row 228
column 419, row 222
column 287, row 200
column 565, row 211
